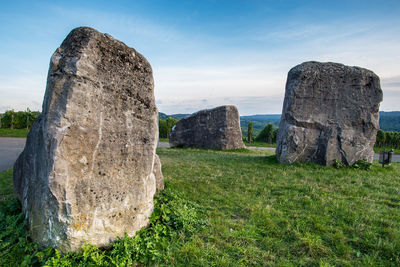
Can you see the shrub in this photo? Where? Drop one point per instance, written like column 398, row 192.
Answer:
column 173, row 219
column 7, row 119
column 250, row 132
column 18, row 120
column 162, row 129
column 267, row 134
column 361, row 164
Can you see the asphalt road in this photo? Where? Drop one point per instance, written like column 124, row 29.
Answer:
column 10, row 148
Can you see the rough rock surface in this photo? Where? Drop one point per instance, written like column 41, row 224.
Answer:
column 330, row 112
column 86, row 173
column 217, row 128
column 158, row 174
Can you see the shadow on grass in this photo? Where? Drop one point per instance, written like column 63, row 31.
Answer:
column 242, row 155
column 238, row 150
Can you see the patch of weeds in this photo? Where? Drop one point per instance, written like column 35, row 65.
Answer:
column 361, row 165
column 173, row 221
column 338, row 164
column 14, row 237
column 311, row 245
column 6, row 186
column 238, row 150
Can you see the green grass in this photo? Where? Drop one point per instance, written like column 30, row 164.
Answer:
column 260, row 144
column 13, row 132
column 6, row 187
column 163, row 140
column 264, row 144
column 243, row 209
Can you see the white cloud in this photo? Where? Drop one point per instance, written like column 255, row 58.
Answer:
column 247, row 105
column 23, row 92
column 391, row 83
column 194, row 71
column 217, row 81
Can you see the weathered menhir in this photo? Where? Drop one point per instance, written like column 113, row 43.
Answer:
column 87, row 171
column 330, row 112
column 217, row 128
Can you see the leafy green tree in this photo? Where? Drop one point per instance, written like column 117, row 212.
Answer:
column 275, row 135
column 397, row 138
column 162, row 128
column 380, row 138
column 266, row 134
column 389, row 138
column 170, row 123
column 250, row 132
column 20, row 120
column 7, row 119
column 31, row 117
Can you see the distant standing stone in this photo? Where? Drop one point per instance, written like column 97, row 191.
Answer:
column 330, row 112
column 217, row 128
column 87, row 174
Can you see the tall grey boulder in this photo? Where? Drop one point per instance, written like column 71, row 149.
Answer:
column 330, row 112
column 217, row 128
column 87, row 171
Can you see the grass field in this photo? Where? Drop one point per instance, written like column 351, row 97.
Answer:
column 242, row 208
column 264, row 144
column 13, row 132
column 260, row 144
column 6, row 187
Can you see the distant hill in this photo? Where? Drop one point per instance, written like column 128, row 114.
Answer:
column 259, row 122
column 179, row 116
column 388, row 121
column 262, row 117
column 164, row 116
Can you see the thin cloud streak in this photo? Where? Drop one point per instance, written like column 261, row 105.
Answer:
column 22, row 92
column 205, row 68
column 247, row 105
column 204, row 82
column 392, row 83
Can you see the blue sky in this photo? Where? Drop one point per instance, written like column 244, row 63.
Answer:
column 206, row 53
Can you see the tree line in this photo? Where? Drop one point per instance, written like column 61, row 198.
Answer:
column 18, row 120
column 269, row 133
column 165, row 126
column 24, row 120
column 388, row 139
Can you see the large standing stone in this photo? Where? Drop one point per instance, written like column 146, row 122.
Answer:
column 217, row 128
column 330, row 112
column 86, row 173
